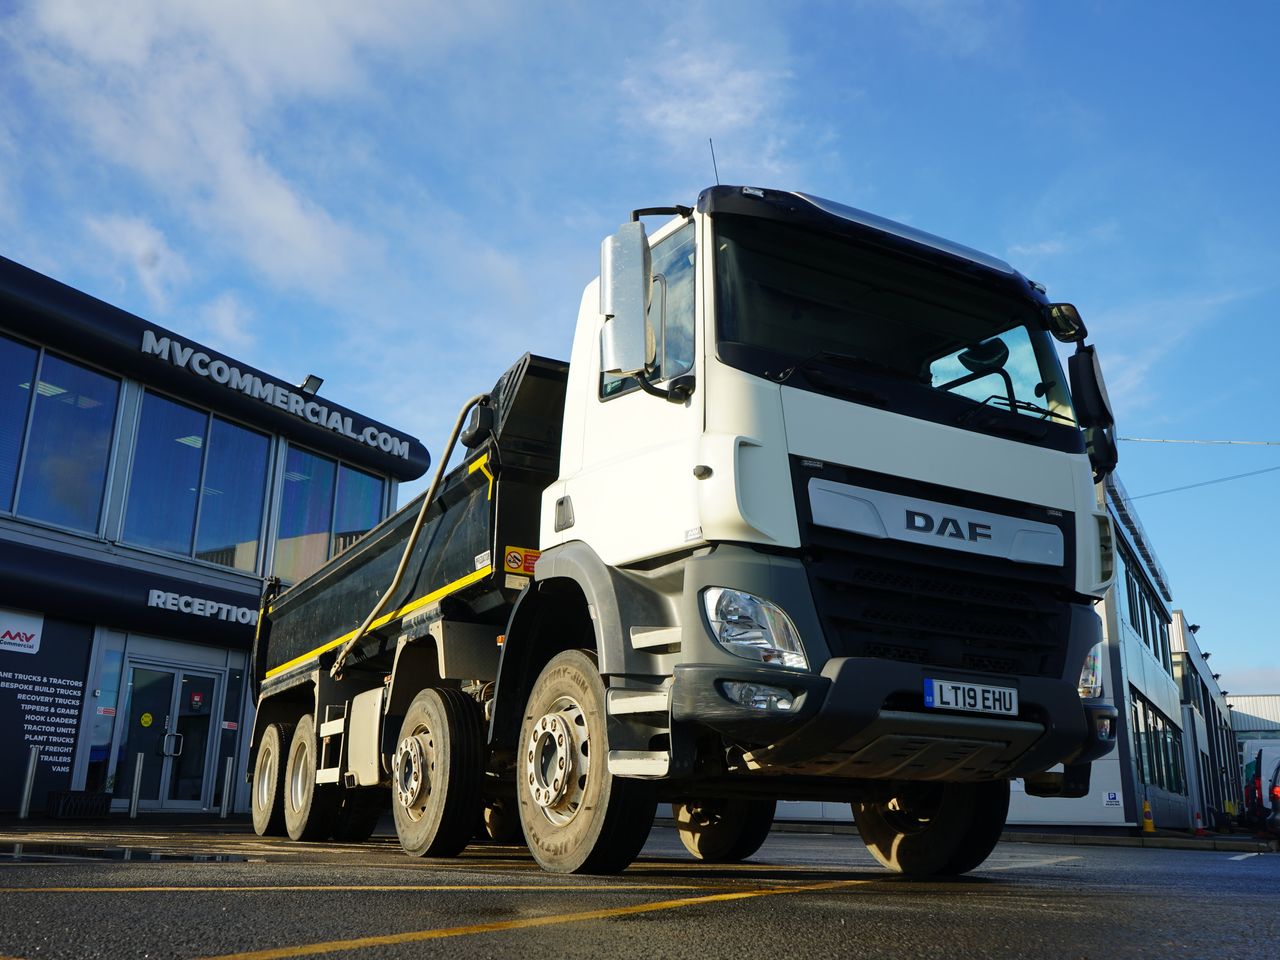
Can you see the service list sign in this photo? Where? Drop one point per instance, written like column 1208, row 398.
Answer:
column 42, row 676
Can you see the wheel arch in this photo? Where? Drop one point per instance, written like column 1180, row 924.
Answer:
column 576, row 601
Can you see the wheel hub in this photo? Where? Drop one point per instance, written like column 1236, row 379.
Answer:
column 411, row 771
column 556, row 760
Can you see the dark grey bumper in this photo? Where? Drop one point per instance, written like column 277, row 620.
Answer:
column 865, row 719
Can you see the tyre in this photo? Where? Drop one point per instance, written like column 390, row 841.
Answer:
column 723, row 831
column 267, row 792
column 576, row 816
column 934, row 829
column 359, row 813
column 437, row 774
column 310, row 808
column 501, row 822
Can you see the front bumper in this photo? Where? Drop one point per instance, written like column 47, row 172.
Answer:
column 864, row 718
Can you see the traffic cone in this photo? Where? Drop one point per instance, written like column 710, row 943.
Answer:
column 1200, row 830
column 1148, row 825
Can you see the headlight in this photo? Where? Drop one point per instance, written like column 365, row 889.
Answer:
column 1091, row 674
column 753, row 629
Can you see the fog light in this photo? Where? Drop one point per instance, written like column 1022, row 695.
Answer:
column 758, row 696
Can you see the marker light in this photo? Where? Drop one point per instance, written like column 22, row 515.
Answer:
column 753, row 629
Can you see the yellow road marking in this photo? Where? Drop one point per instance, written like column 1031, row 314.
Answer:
column 380, row 888
column 417, row 936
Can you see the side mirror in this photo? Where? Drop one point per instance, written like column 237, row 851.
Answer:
column 1100, row 443
column 1063, row 321
column 625, row 282
column 989, row 357
column 1088, row 391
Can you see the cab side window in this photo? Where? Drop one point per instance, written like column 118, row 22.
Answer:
column 671, row 313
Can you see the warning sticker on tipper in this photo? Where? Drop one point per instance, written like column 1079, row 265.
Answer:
column 520, row 560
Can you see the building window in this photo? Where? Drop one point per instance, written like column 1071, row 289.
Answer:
column 1157, row 747
column 324, row 508
column 198, row 485
column 55, row 440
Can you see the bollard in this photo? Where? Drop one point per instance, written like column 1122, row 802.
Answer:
column 226, row 789
column 33, row 760
column 137, row 787
column 1148, row 824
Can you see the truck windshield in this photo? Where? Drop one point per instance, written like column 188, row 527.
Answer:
column 836, row 316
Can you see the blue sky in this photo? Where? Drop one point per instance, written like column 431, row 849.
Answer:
column 404, row 196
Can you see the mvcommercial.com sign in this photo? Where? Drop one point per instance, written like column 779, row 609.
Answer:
column 20, row 632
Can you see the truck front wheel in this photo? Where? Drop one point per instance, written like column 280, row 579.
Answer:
column 267, row 799
column 931, row 829
column 723, row 831
column 437, row 773
column 577, row 817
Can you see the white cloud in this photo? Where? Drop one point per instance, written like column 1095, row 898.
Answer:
column 959, row 27
column 227, row 323
column 189, row 97
column 714, row 90
column 143, row 248
column 1040, row 248
column 1144, row 335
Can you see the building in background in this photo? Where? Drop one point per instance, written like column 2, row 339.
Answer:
column 148, row 485
column 1138, row 676
column 1255, row 717
column 1208, row 743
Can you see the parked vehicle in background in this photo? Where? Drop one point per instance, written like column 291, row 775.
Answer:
column 810, row 514
column 1261, row 759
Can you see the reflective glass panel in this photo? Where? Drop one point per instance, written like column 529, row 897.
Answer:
column 161, row 512
column 66, row 463
column 231, row 504
column 17, row 370
column 357, row 509
column 306, row 512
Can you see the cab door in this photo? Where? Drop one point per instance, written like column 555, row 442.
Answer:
column 635, row 494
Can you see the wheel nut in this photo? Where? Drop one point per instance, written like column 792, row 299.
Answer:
column 560, row 740
column 544, row 723
column 562, row 763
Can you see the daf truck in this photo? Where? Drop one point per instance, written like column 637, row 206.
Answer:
column 809, row 513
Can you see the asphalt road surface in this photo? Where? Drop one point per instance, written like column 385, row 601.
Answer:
column 219, row 891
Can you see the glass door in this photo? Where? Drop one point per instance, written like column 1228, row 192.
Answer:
column 169, row 728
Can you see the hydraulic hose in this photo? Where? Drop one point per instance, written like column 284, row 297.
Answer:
column 340, row 661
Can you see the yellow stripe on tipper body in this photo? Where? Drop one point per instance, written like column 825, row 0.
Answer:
column 386, row 618
column 482, row 465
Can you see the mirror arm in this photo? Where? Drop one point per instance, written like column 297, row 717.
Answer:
column 677, row 211
column 681, row 388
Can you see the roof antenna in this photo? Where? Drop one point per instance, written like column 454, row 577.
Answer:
column 713, row 160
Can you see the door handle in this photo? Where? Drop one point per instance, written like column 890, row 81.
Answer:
column 181, row 739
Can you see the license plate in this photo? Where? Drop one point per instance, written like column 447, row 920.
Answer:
column 973, row 697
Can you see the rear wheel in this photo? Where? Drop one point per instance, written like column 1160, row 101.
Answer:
column 310, row 808
column 577, row 817
column 267, row 793
column 359, row 814
column 934, row 829
column 437, row 774
column 723, row 831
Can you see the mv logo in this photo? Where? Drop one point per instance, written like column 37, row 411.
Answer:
column 18, row 636
column 920, row 522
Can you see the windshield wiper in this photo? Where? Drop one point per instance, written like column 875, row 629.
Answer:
column 838, row 386
column 853, row 362
column 987, row 421
column 1029, row 407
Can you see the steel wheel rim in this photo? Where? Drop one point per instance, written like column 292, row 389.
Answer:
column 412, row 770
column 265, row 779
column 557, row 761
column 297, row 780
